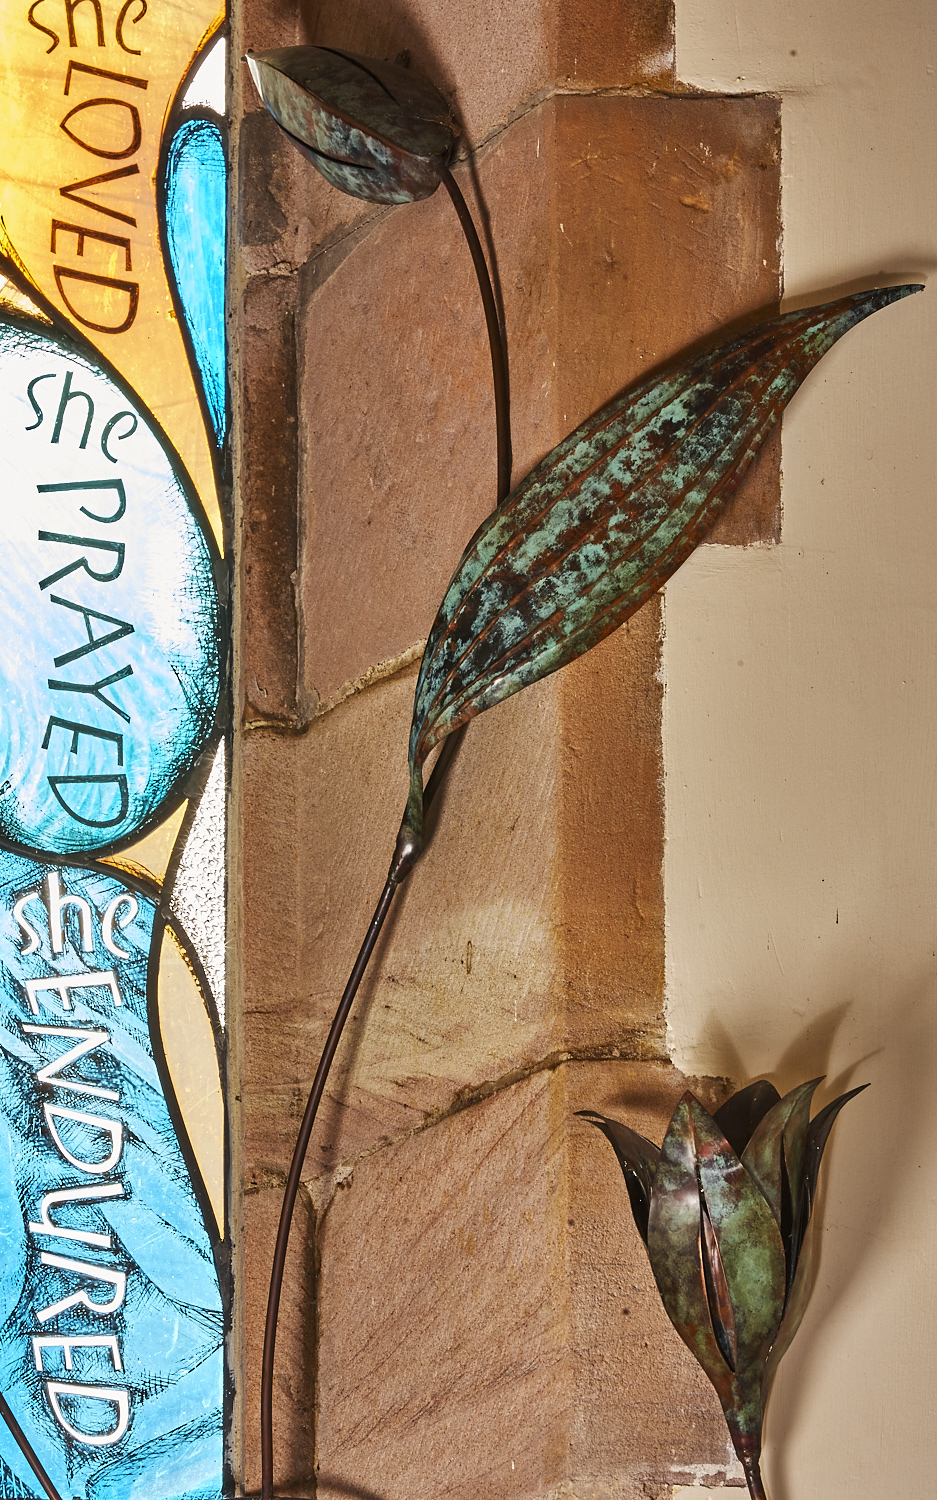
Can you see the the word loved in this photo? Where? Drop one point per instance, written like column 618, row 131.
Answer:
column 108, row 127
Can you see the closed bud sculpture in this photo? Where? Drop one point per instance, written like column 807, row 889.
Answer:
column 372, row 128
column 723, row 1207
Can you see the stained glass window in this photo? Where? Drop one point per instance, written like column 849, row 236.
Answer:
column 113, row 701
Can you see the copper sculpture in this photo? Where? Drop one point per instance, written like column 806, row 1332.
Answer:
column 580, row 544
column 723, row 1208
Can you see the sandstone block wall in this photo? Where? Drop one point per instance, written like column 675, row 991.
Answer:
column 469, row 1308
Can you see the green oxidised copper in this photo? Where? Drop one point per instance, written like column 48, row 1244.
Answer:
column 605, row 519
column 722, row 1207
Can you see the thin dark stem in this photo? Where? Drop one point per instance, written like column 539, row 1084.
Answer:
column 499, row 372
column 292, row 1184
column 25, row 1447
column 502, row 420
column 302, row 1143
column 498, row 361
column 756, row 1486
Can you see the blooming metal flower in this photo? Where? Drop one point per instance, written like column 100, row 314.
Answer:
column 373, row 129
column 722, row 1207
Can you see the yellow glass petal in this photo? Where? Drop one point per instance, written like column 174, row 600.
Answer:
column 189, row 1045
column 85, row 91
column 151, row 854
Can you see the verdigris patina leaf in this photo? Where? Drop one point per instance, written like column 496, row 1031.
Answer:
column 372, row 129
column 605, row 519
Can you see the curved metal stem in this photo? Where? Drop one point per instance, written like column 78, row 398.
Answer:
column 302, row 1142
column 292, row 1184
column 756, row 1486
column 499, row 370
column 502, row 420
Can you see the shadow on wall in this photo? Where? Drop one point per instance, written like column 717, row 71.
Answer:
column 327, row 1485
column 807, row 1055
column 874, row 275
column 898, row 1120
column 385, row 31
column 393, row 32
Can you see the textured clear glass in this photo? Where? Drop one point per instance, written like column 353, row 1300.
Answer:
column 198, row 892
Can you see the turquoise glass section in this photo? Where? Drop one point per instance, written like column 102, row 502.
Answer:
column 110, row 624
column 195, row 235
column 111, row 1318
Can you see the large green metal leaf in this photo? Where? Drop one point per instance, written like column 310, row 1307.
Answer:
column 606, row 518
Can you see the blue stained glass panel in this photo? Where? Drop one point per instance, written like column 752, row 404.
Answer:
column 110, row 625
column 195, row 234
column 111, row 1318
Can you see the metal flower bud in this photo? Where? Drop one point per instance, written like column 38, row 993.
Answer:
column 722, row 1207
column 372, row 128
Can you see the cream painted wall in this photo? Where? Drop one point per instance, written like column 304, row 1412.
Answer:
column 801, row 738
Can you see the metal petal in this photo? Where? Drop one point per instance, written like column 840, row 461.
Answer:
column 637, row 1157
column 802, row 1282
column 674, row 1249
column 749, row 1241
column 606, row 518
column 798, row 1297
column 721, row 1310
column 774, row 1159
column 814, row 1147
column 741, row 1114
column 817, row 1137
column 373, row 129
